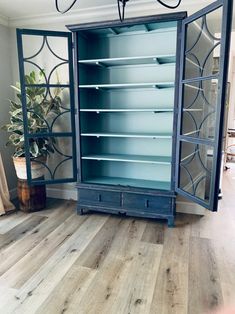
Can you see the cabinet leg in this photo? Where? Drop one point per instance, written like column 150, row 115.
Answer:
column 170, row 222
column 80, row 211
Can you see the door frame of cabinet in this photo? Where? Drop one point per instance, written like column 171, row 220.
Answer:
column 226, row 25
column 49, row 134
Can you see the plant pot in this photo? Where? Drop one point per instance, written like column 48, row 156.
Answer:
column 33, row 197
column 37, row 169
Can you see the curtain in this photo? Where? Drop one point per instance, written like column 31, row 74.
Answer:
column 5, row 204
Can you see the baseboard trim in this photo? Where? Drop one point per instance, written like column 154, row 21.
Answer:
column 62, row 194
column 190, row 208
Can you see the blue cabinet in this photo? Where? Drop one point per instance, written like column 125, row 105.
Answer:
column 146, row 113
column 127, row 107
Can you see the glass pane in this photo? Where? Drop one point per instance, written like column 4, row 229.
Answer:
column 202, row 86
column 203, row 45
column 47, row 55
column 57, row 165
column 44, row 59
column 48, row 110
column 196, row 163
column 199, row 109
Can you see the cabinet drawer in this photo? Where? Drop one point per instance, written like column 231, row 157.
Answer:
column 103, row 198
column 148, row 203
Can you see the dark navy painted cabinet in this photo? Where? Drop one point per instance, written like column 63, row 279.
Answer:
column 127, row 203
column 150, row 107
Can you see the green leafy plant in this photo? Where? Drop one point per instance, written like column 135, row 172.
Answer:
column 39, row 109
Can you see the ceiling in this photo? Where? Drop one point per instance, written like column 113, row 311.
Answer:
column 23, row 8
column 34, row 7
column 30, row 12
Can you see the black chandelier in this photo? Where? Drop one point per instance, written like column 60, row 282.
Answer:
column 121, row 7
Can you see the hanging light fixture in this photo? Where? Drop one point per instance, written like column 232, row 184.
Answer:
column 58, row 8
column 121, row 11
column 121, row 7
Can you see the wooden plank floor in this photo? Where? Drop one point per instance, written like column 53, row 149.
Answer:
column 55, row 261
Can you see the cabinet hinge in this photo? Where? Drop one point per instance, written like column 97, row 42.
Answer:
column 73, row 45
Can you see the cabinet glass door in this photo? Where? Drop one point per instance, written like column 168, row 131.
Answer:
column 46, row 92
column 202, row 100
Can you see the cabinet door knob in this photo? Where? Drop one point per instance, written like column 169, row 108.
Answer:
column 147, row 203
column 99, row 198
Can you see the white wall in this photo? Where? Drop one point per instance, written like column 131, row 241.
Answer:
column 5, row 94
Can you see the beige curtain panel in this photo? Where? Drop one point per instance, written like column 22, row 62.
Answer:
column 5, row 204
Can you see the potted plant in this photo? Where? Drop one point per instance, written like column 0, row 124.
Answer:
column 40, row 110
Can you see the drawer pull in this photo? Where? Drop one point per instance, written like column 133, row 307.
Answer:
column 99, row 198
column 146, row 203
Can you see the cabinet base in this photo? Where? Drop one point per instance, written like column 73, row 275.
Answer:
column 146, row 205
column 82, row 210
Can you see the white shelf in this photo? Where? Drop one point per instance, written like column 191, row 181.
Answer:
column 122, row 61
column 136, row 135
column 130, row 158
column 130, row 85
column 154, row 110
column 162, row 185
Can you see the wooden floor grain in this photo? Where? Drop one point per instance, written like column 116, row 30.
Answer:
column 55, row 261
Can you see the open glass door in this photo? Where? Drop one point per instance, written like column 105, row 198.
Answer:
column 47, row 96
column 202, row 96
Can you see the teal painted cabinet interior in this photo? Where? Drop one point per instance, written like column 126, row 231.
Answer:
column 127, row 81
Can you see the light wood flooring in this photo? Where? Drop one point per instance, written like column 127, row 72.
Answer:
column 55, row 261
